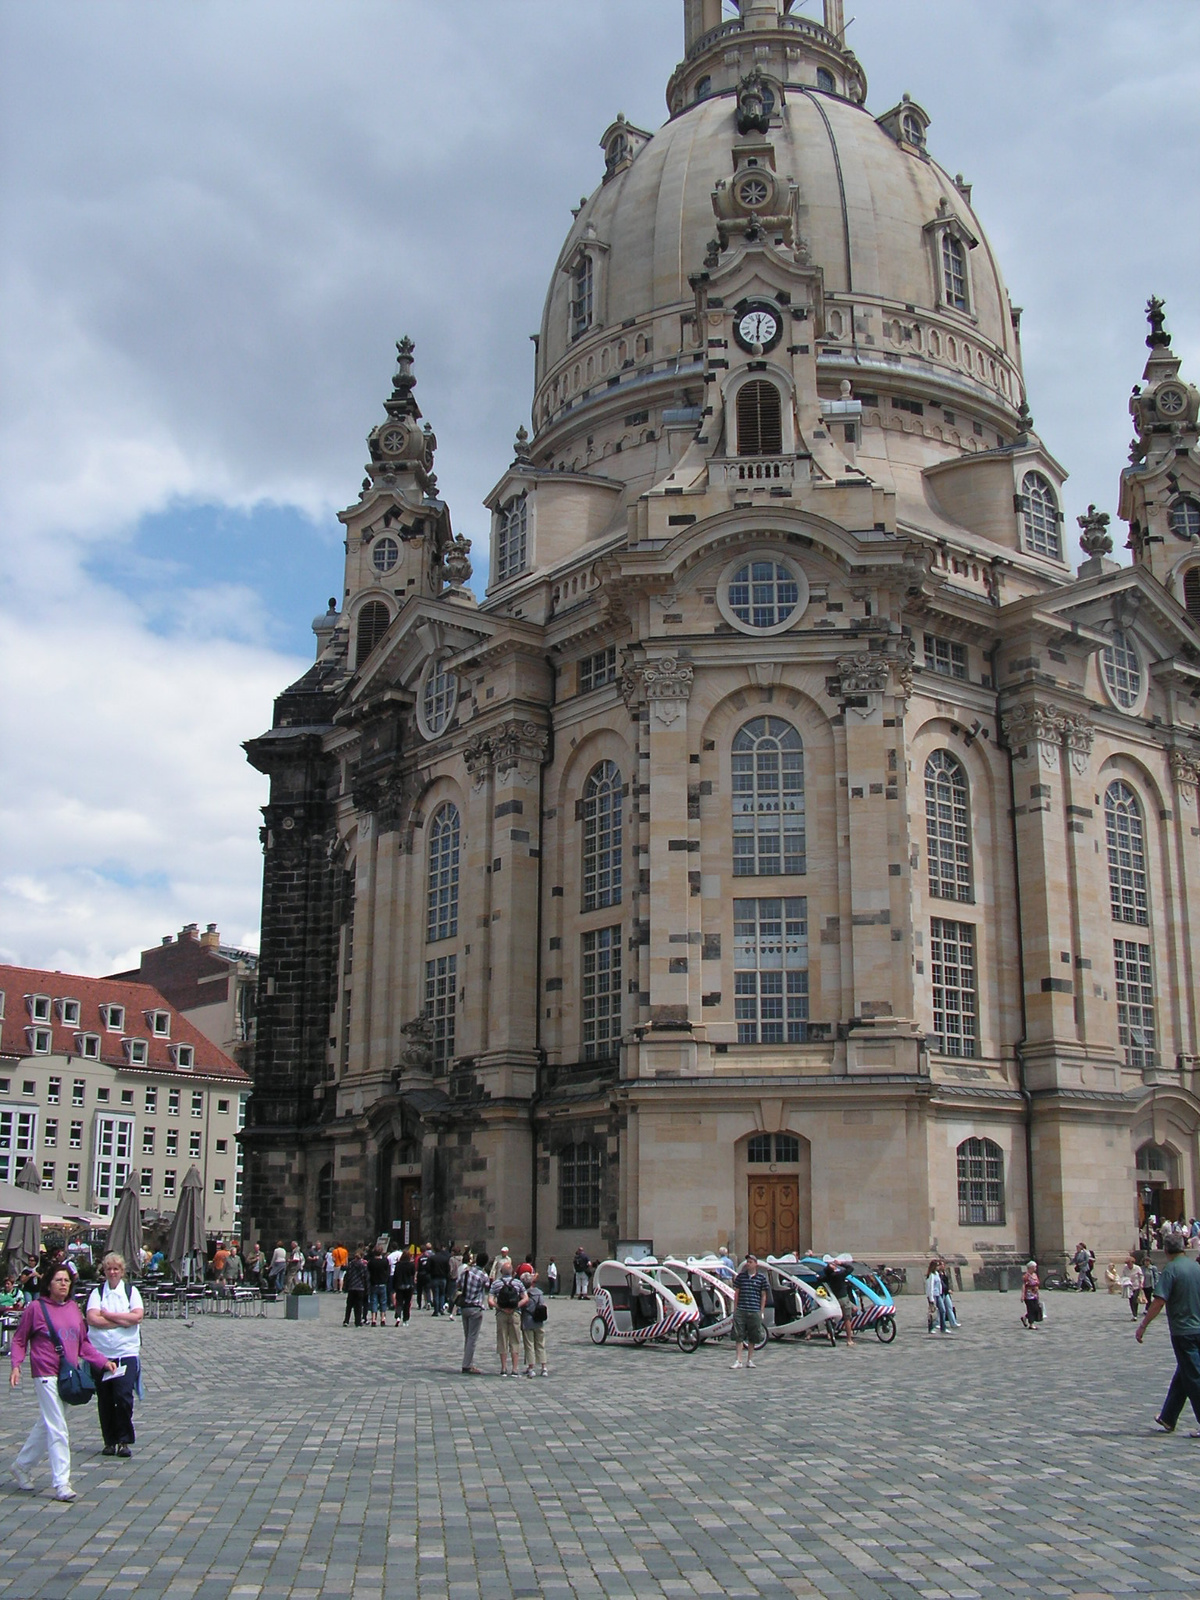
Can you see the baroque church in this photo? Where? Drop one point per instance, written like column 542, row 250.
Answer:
column 789, row 849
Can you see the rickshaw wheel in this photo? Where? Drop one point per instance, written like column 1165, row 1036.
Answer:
column 598, row 1330
column 885, row 1330
column 761, row 1344
column 831, row 1333
column 688, row 1338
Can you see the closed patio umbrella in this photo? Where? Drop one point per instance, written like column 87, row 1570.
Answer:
column 24, row 1241
column 125, row 1230
column 187, row 1227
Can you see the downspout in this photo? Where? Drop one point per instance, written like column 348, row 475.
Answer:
column 1022, row 1086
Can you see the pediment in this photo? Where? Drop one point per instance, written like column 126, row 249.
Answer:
column 1130, row 599
column 421, row 629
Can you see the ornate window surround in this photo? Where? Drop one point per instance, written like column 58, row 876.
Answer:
column 782, row 379
column 763, row 552
column 948, row 223
column 589, row 247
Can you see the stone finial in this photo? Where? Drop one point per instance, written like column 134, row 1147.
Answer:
column 417, row 1055
column 1094, row 537
column 1158, row 338
column 521, row 452
column 456, row 562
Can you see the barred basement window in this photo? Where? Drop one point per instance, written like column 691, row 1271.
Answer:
column 768, row 799
column 325, row 1198
column 948, row 828
column 946, row 657
column 373, row 622
column 602, row 837
column 1126, row 854
column 759, row 420
column 601, row 993
column 955, row 999
column 954, row 272
column 770, row 959
column 512, row 538
column 595, row 671
column 579, row 1169
column 441, row 921
column 441, row 994
column 1039, row 510
column 1135, row 1002
column 980, row 1184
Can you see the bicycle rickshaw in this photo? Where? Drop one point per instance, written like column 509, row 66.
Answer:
column 633, row 1306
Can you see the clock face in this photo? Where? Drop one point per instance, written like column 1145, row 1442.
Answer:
column 1170, row 402
column 758, row 325
column 393, row 441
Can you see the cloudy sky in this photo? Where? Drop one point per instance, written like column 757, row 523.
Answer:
column 217, row 217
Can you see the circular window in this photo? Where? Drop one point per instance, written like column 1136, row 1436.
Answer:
column 1122, row 669
column 763, row 594
column 439, row 696
column 754, row 192
column 385, row 555
column 1185, row 518
column 1171, row 401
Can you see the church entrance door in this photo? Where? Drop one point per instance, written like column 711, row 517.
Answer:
column 408, row 1211
column 773, row 1216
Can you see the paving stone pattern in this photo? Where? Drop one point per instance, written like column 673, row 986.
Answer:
column 301, row 1460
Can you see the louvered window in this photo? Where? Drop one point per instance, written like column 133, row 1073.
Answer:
column 759, row 420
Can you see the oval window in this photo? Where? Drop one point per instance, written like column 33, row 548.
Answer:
column 385, row 555
column 439, row 696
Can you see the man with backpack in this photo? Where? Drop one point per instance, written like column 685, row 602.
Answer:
column 534, row 1312
column 507, row 1298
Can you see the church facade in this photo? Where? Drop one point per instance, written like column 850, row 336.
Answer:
column 790, row 849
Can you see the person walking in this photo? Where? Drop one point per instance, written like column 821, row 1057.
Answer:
column 330, row 1265
column 114, row 1317
column 402, row 1287
column 534, row 1312
column 1031, row 1297
column 439, row 1279
column 424, row 1296
column 750, row 1289
column 378, row 1279
column 456, row 1264
column 1133, row 1280
column 51, row 1322
column 341, row 1260
column 277, row 1271
column 508, row 1299
column 935, row 1304
column 473, row 1284
column 1083, row 1261
column 1178, row 1289
column 580, row 1266
column 357, row 1281
column 232, row 1273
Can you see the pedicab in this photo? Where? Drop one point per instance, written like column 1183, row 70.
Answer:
column 633, row 1306
column 796, row 1309
column 872, row 1297
column 712, row 1294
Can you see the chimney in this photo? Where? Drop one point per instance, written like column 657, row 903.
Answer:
column 210, row 936
column 190, row 930
column 167, row 939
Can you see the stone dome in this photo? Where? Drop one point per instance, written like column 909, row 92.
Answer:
column 872, row 209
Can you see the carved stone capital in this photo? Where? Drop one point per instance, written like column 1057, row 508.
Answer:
column 665, row 682
column 1185, row 769
column 1077, row 736
column 1035, row 733
column 519, row 743
column 863, row 674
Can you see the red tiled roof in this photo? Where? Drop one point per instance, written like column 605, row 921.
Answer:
column 92, row 993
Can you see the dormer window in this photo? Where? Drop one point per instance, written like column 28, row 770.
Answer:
column 184, row 1056
column 87, row 1045
column 583, row 290
column 113, row 1017
column 1185, row 518
column 137, row 1052
column 40, row 1040
column 910, row 127
column 825, row 81
column 512, row 537
column 1040, row 515
column 160, row 1023
column 954, row 272
column 39, row 1007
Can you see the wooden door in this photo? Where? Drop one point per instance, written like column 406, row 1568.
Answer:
column 409, row 1213
column 773, row 1216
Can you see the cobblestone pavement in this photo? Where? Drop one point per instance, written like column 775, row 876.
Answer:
column 281, row 1459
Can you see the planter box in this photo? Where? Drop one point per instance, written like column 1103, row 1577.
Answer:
column 302, row 1307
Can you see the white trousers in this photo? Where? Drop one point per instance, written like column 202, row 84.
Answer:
column 48, row 1436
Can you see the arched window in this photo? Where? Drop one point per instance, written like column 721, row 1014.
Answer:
column 512, row 538
column 579, row 1170
column 582, row 294
column 759, row 420
column 441, row 920
column 1126, row 854
column 1122, row 668
column 768, row 799
column 439, row 697
column 825, row 80
column 1039, row 511
column 373, row 622
column 954, row 270
column 910, row 127
column 325, row 1198
column 601, row 812
column 1185, row 518
column 980, row 1184
column 1191, row 591
column 948, row 828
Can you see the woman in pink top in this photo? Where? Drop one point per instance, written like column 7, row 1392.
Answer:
column 49, row 1435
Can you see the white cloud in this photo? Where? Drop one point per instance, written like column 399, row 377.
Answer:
column 215, row 219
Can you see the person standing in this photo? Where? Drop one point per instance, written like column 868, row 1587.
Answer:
column 1031, row 1297
column 534, row 1312
column 114, row 1317
column 378, row 1280
column 402, row 1287
column 947, row 1293
column 232, row 1272
column 750, row 1289
column 341, row 1260
column 508, row 1299
column 837, row 1278
column 439, row 1279
column 456, row 1263
column 424, row 1257
column 473, row 1284
column 255, row 1263
column 357, row 1281
column 935, row 1304
column 278, row 1268
column 52, row 1310
column 330, row 1265
column 552, row 1278
column 1133, row 1280
column 1178, row 1289
column 580, row 1266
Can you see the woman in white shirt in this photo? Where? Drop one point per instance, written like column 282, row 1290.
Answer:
column 114, row 1315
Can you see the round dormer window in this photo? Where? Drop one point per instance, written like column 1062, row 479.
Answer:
column 763, row 594
column 437, row 700
column 385, row 555
column 1185, row 518
column 1121, row 668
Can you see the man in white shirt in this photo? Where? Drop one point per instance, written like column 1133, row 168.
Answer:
column 114, row 1315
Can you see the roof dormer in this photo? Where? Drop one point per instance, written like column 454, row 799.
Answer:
column 907, row 124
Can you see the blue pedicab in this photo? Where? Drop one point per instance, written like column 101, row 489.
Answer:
column 797, row 1310
column 876, row 1308
column 633, row 1306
